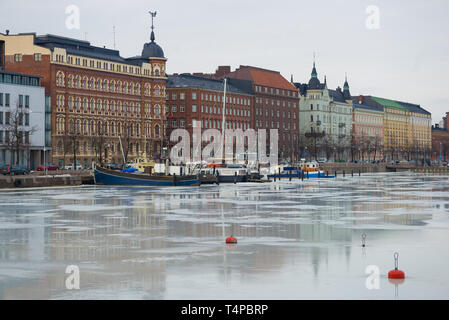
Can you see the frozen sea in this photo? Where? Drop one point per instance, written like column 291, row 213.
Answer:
column 296, row 240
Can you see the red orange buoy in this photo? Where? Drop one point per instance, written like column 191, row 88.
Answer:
column 231, row 239
column 396, row 273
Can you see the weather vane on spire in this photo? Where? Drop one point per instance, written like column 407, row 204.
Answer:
column 153, row 14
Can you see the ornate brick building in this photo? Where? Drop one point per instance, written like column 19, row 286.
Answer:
column 193, row 99
column 96, row 96
column 276, row 104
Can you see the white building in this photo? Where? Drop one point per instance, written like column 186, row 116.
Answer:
column 326, row 112
column 22, row 109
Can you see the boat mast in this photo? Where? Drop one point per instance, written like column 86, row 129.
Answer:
column 224, row 121
column 121, row 147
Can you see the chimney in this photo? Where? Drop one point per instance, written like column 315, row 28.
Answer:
column 2, row 55
column 222, row 71
column 360, row 99
column 7, row 32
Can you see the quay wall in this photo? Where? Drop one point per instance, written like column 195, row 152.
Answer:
column 33, row 181
column 355, row 167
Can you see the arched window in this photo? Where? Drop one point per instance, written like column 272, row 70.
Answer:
column 112, row 86
column 92, row 105
column 59, row 147
column 156, row 91
column 70, row 103
column 91, row 83
column 119, row 106
column 70, row 84
column 84, row 82
column 77, row 82
column 77, row 104
column 98, row 85
column 125, row 87
column 112, row 128
column 119, row 87
column 70, row 125
column 147, row 89
column 156, row 131
column 98, row 105
column 131, row 88
column 138, row 89
column 105, row 85
column 92, row 127
column 85, row 126
column 85, row 104
column 137, row 148
column 60, row 79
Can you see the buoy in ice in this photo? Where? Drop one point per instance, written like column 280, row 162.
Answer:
column 363, row 240
column 231, row 239
column 396, row 273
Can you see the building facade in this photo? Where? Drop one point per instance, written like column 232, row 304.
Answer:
column 105, row 108
column 193, row 100
column 367, row 132
column 276, row 105
column 22, row 120
column 440, row 144
column 406, row 129
column 325, row 119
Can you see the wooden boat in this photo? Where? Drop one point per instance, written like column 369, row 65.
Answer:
column 112, row 177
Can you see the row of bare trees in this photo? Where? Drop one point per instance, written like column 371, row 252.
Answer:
column 99, row 143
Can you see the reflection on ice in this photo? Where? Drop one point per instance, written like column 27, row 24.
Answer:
column 298, row 239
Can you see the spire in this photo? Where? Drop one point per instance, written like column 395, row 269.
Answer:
column 152, row 37
column 325, row 81
column 291, row 79
column 314, row 73
column 346, row 93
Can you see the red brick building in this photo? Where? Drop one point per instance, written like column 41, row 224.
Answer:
column 276, row 104
column 440, row 143
column 197, row 99
column 96, row 96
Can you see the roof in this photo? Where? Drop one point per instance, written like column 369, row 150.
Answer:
column 389, row 103
column 414, row 108
column 337, row 95
column 85, row 49
column 262, row 77
column 366, row 107
column 190, row 81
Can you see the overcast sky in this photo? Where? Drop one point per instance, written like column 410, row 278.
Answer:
column 406, row 58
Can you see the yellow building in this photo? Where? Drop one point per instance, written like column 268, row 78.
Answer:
column 406, row 129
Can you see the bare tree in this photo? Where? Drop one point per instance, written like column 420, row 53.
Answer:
column 18, row 132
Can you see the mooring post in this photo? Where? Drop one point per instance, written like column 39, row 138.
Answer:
column 174, row 179
column 235, row 177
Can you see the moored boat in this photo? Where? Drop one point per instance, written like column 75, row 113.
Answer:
column 112, row 177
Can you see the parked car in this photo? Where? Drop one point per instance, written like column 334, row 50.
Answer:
column 5, row 169
column 50, row 167
column 19, row 170
column 71, row 167
column 322, row 160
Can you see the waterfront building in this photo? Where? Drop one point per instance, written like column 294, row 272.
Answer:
column 197, row 99
column 96, row 96
column 440, row 143
column 24, row 134
column 367, row 130
column 325, row 119
column 406, row 129
column 276, row 105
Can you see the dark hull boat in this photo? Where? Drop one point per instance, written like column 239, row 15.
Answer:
column 112, row 177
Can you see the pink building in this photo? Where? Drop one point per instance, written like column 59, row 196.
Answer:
column 367, row 132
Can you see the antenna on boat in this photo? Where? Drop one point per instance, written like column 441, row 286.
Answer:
column 224, row 121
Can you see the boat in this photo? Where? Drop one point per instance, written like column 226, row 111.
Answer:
column 143, row 164
column 111, row 177
column 309, row 169
column 228, row 173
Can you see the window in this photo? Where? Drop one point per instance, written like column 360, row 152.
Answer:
column 181, row 109
column 1, row 117
column 194, row 108
column 1, row 99
column 193, row 95
column 27, row 119
column 182, row 96
column 37, row 57
column 20, row 101
column 18, row 57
